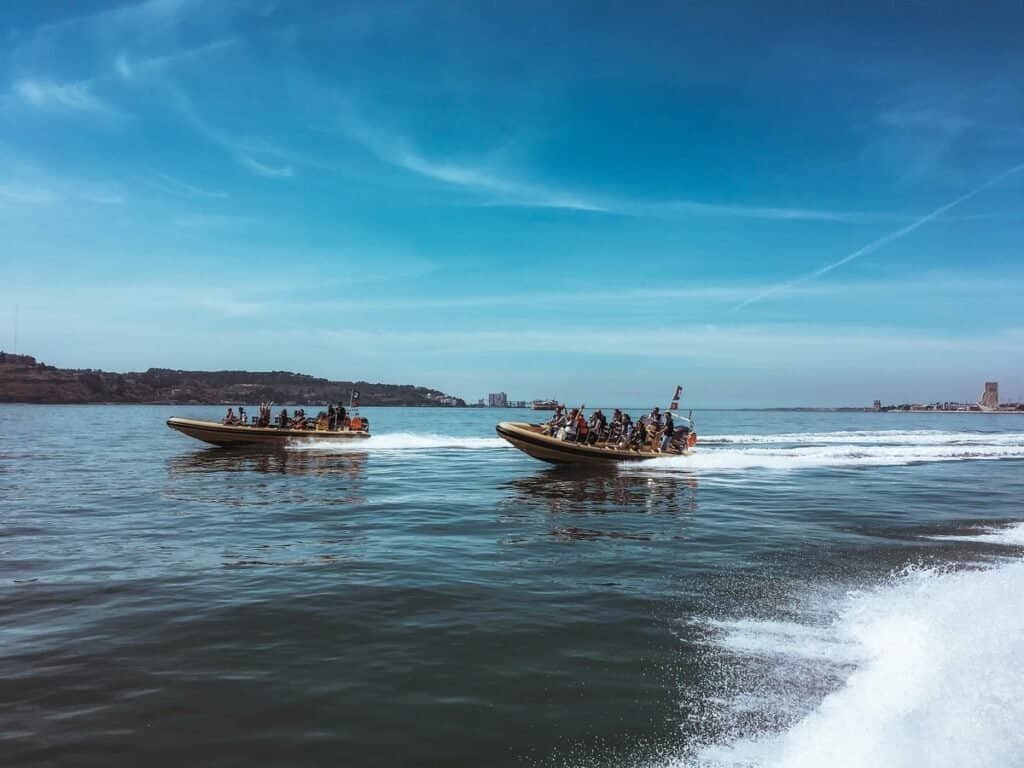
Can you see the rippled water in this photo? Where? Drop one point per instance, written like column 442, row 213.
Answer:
column 807, row 590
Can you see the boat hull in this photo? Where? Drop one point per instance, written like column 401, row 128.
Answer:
column 215, row 433
column 528, row 439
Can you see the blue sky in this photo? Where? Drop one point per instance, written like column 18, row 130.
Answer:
column 769, row 203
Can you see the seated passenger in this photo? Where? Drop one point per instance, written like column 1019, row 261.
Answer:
column 559, row 421
column 282, row 419
column 229, row 418
column 597, row 427
column 640, row 434
column 614, row 432
column 332, row 417
column 582, row 430
column 625, row 431
column 571, row 426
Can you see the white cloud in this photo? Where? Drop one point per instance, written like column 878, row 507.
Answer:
column 744, row 345
column 46, row 94
column 130, row 70
column 26, row 195
column 502, row 189
column 267, row 171
column 102, row 198
column 210, row 221
column 175, row 186
column 123, row 67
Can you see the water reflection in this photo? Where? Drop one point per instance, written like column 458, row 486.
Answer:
column 308, row 463
column 285, row 476
column 627, row 499
column 574, row 489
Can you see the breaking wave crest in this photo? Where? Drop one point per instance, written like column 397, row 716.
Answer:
column 1012, row 536
column 842, row 449
column 402, row 441
column 927, row 669
column 873, row 437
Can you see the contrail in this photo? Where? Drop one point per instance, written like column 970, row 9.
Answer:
column 874, row 246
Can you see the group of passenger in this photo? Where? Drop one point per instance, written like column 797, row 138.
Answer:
column 656, row 431
column 333, row 419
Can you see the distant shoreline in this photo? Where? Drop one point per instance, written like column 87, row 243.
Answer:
column 24, row 380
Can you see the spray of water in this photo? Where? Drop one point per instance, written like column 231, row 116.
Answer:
column 402, row 441
column 928, row 670
column 731, row 453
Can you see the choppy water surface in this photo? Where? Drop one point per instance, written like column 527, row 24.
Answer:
column 808, row 590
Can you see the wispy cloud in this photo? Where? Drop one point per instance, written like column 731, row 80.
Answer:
column 264, row 158
column 772, row 345
column 150, row 16
column 24, row 183
column 670, row 301
column 502, row 189
column 693, row 208
column 121, row 43
column 265, row 170
column 210, row 221
column 104, row 198
column 74, row 97
column 882, row 241
column 26, row 195
column 509, row 191
column 131, row 69
column 175, row 186
column 927, row 116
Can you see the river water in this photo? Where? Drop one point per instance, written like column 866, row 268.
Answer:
column 807, row 590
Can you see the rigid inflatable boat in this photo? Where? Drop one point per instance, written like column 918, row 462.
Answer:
column 531, row 440
column 217, row 433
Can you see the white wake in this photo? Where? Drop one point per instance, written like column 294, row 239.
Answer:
column 1011, row 536
column 841, row 449
column 937, row 659
column 402, row 441
column 871, row 437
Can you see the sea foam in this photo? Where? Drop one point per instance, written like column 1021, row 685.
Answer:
column 841, row 449
column 1010, row 536
column 401, row 441
column 937, row 660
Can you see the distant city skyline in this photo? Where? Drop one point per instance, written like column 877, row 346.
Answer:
column 769, row 206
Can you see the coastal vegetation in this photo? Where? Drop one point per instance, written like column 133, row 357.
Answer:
column 23, row 379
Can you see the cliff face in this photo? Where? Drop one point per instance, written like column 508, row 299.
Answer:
column 24, row 380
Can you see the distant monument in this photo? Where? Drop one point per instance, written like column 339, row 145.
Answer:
column 990, row 399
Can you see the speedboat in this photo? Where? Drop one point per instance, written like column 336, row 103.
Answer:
column 532, row 440
column 537, row 440
column 219, row 433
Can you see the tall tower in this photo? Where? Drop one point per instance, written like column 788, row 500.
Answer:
column 990, row 399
